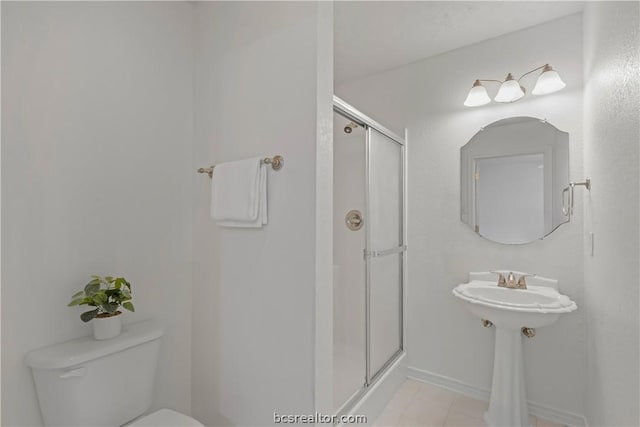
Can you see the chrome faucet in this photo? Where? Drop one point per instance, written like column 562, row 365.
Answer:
column 511, row 283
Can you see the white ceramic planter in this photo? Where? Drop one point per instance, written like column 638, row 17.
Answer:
column 105, row 328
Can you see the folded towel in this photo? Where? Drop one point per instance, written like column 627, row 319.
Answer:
column 239, row 193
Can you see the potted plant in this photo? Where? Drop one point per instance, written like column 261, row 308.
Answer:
column 107, row 295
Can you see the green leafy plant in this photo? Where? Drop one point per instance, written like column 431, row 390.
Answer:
column 106, row 294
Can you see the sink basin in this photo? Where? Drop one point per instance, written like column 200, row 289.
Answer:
column 534, row 307
column 510, row 310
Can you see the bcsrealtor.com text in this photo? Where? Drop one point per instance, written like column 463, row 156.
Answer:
column 318, row 418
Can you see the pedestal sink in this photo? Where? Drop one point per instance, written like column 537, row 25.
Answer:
column 510, row 310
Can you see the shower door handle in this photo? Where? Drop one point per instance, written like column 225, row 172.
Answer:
column 376, row 254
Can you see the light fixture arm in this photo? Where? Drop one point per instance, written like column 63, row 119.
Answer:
column 489, row 80
column 546, row 67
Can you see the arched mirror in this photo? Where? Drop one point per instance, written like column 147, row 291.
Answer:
column 514, row 175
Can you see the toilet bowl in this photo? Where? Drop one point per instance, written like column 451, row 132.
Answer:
column 86, row 382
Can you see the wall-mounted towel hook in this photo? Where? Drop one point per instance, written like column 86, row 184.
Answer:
column 569, row 211
column 586, row 183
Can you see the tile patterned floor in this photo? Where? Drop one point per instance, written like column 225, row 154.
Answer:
column 421, row 404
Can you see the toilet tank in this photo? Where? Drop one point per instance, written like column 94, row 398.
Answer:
column 85, row 382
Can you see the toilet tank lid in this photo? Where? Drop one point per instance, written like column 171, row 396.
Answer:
column 81, row 350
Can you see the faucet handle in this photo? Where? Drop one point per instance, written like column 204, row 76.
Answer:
column 522, row 283
column 501, row 280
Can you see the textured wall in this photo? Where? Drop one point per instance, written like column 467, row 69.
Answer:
column 426, row 97
column 96, row 178
column 612, row 137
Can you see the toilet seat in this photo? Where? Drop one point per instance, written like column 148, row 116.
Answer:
column 165, row 418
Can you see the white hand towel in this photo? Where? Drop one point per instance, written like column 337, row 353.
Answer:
column 239, row 194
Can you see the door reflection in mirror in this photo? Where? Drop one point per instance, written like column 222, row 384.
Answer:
column 512, row 176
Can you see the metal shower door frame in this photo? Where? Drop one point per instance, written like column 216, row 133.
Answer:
column 351, row 113
column 370, row 253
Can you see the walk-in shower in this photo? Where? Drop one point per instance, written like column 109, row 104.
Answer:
column 368, row 256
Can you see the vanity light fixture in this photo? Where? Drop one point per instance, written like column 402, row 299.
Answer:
column 477, row 95
column 510, row 90
column 548, row 82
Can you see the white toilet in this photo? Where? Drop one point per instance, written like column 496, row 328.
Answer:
column 86, row 382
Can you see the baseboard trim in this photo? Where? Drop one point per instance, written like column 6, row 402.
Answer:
column 536, row 409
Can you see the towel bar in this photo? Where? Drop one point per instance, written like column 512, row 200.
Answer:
column 277, row 162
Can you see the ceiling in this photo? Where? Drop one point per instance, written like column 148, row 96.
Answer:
column 371, row 37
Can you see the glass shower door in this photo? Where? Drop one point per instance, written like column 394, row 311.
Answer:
column 349, row 268
column 384, row 251
column 368, row 181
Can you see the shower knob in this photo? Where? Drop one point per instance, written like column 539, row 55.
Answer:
column 354, row 220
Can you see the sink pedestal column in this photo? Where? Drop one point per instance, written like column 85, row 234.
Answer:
column 508, row 405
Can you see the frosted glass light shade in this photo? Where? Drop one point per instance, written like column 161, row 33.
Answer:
column 477, row 96
column 509, row 91
column 548, row 82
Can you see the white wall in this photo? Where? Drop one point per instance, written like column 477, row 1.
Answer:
column 612, row 135
column 257, row 87
column 96, row 178
column 0, row 234
column 426, row 97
